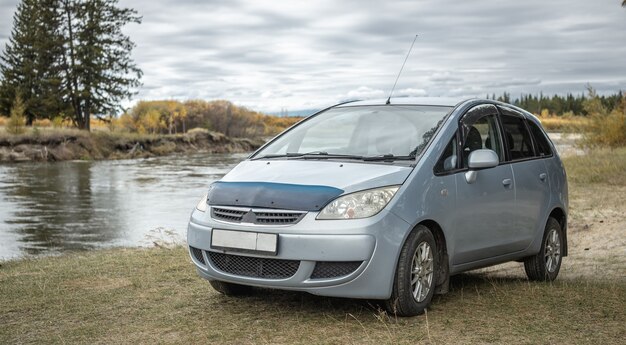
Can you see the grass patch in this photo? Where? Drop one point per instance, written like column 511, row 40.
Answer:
column 598, row 166
column 154, row 295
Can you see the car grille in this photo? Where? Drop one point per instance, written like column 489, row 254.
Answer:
column 334, row 269
column 256, row 216
column 197, row 253
column 254, row 267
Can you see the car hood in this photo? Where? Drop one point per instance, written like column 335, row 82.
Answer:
column 300, row 184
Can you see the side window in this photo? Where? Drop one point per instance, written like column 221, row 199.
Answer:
column 516, row 135
column 448, row 160
column 542, row 144
column 480, row 131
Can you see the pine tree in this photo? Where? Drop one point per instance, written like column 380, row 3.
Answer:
column 98, row 66
column 30, row 63
column 69, row 56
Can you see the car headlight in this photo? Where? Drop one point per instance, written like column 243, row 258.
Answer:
column 359, row 205
column 202, row 205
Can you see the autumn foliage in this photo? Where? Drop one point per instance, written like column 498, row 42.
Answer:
column 171, row 117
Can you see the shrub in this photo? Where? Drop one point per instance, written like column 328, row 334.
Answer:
column 17, row 121
column 606, row 128
column 57, row 122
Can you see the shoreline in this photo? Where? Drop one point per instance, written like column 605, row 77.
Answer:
column 71, row 144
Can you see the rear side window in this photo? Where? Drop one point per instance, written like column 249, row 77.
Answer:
column 517, row 137
column 542, row 144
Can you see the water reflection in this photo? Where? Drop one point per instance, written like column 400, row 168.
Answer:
column 55, row 207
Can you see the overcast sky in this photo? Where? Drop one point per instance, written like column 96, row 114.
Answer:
column 270, row 55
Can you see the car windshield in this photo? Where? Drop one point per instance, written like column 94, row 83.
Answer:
column 386, row 132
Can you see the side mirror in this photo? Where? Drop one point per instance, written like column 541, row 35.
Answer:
column 449, row 163
column 480, row 159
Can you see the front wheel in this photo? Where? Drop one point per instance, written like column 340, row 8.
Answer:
column 414, row 282
column 546, row 264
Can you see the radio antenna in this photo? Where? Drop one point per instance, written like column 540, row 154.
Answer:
column 401, row 68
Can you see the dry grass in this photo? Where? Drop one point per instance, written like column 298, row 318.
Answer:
column 598, row 166
column 147, row 296
column 564, row 123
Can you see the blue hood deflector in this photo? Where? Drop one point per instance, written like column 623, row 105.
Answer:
column 272, row 195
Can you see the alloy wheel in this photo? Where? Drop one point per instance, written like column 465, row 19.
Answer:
column 553, row 250
column 422, row 272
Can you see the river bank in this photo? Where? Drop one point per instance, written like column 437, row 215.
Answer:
column 49, row 145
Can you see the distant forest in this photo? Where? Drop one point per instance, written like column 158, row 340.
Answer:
column 558, row 105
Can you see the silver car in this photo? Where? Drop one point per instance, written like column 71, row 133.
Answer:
column 386, row 200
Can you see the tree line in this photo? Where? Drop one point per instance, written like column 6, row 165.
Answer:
column 171, row 117
column 560, row 104
column 68, row 58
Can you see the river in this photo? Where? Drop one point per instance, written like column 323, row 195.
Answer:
column 51, row 208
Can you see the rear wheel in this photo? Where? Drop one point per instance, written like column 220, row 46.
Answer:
column 415, row 278
column 546, row 264
column 230, row 289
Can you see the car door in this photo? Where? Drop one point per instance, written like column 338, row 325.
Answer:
column 483, row 220
column 531, row 178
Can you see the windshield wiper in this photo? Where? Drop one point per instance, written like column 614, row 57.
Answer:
column 326, row 155
column 310, row 155
column 279, row 155
column 388, row 158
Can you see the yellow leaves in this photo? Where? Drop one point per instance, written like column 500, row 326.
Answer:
column 170, row 116
column 152, row 121
column 157, row 115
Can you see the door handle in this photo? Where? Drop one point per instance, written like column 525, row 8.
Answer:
column 507, row 182
column 543, row 176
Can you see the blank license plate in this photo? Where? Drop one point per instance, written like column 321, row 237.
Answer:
column 244, row 241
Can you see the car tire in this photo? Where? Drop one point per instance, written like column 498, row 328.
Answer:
column 415, row 278
column 230, row 289
column 546, row 264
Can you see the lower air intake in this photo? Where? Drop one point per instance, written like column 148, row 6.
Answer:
column 197, row 253
column 254, row 267
column 334, row 269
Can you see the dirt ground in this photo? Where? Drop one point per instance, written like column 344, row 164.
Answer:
column 596, row 236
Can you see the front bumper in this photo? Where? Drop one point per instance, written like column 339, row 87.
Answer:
column 372, row 245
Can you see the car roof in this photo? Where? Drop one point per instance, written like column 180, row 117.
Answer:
column 436, row 101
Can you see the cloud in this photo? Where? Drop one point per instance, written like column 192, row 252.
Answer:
column 361, row 93
column 270, row 55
